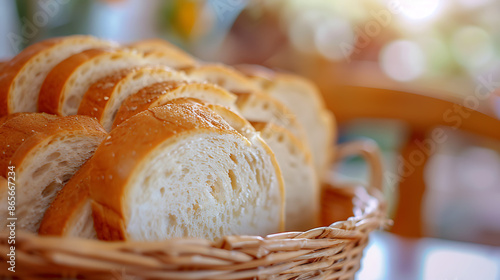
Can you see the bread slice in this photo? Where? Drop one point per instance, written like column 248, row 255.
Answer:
column 70, row 214
column 46, row 151
column 162, row 93
column 223, row 76
column 252, row 103
column 22, row 77
column 303, row 98
column 170, row 59
column 103, row 98
column 65, row 85
column 301, row 182
column 184, row 172
column 259, row 107
column 164, row 53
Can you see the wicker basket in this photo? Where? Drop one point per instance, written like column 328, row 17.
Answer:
column 331, row 252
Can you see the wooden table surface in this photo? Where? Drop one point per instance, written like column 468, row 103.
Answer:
column 390, row 257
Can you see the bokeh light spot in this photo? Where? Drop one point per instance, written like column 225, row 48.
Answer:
column 332, row 35
column 419, row 9
column 402, row 60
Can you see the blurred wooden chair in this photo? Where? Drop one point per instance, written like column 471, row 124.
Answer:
column 422, row 114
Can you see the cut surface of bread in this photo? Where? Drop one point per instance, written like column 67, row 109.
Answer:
column 164, row 53
column 70, row 214
column 22, row 77
column 184, row 172
column 259, row 107
column 303, row 98
column 301, row 182
column 294, row 158
column 66, row 84
column 254, row 105
column 161, row 93
column 45, row 151
column 103, row 98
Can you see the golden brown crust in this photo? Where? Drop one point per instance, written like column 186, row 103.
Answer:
column 144, row 132
column 154, row 44
column 8, row 117
column 25, row 131
column 95, row 99
column 224, row 76
column 109, row 225
column 2, row 64
column 16, row 131
column 160, row 49
column 234, row 119
column 174, row 59
column 142, row 99
column 252, row 70
column 49, row 100
column 157, row 95
column 11, row 69
column 67, row 204
column 102, row 95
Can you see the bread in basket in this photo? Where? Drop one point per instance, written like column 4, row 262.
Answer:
column 185, row 182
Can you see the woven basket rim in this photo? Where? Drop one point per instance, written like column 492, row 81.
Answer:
column 334, row 250
column 331, row 252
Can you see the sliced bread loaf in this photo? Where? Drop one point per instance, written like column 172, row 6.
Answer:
column 303, row 98
column 170, row 59
column 22, row 77
column 103, row 98
column 161, row 93
column 254, row 105
column 164, row 53
column 301, row 182
column 45, row 151
column 223, row 76
column 259, row 107
column 70, row 214
column 183, row 171
column 65, row 85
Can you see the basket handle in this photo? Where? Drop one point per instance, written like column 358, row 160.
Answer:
column 369, row 150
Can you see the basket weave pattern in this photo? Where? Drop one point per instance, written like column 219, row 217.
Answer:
column 332, row 252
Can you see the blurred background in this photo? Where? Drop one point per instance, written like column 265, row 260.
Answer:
column 419, row 77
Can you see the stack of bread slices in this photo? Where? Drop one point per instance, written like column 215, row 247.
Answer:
column 144, row 142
